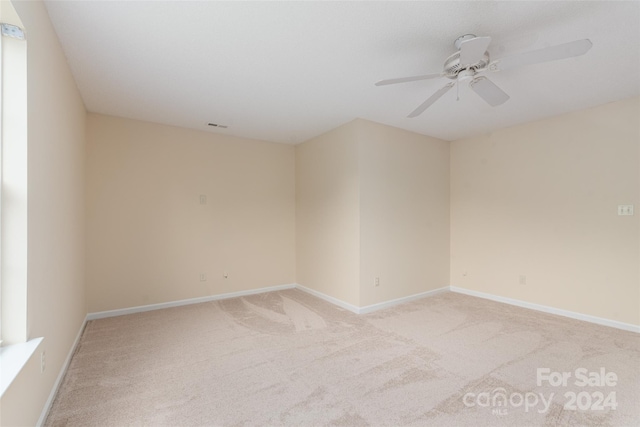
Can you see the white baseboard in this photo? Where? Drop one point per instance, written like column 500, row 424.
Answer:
column 150, row 307
column 551, row 310
column 61, row 374
column 373, row 307
column 386, row 304
column 332, row 300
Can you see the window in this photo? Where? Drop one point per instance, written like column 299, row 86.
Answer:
column 13, row 191
column 15, row 350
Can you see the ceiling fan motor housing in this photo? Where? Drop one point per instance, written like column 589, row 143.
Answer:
column 453, row 67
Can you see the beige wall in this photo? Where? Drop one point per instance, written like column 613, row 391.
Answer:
column 327, row 214
column 56, row 295
column 149, row 238
column 372, row 201
column 404, row 212
column 540, row 200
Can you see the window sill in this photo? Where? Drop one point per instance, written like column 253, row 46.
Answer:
column 12, row 360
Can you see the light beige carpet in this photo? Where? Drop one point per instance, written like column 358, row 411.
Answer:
column 288, row 358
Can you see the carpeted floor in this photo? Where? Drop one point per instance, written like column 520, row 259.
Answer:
column 288, row 358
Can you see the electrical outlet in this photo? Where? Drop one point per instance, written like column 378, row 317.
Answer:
column 377, row 281
column 42, row 361
column 625, row 210
column 203, row 277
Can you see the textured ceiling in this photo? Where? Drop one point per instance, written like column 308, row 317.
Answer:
column 288, row 71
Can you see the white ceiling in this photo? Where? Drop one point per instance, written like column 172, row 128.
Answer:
column 288, row 71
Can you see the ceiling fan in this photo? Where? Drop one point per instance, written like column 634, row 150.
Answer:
column 472, row 59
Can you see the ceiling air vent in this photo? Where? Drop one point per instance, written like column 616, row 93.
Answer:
column 216, row 125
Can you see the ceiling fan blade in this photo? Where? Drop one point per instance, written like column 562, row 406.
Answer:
column 553, row 53
column 433, row 98
column 472, row 50
column 408, row 79
column 488, row 91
